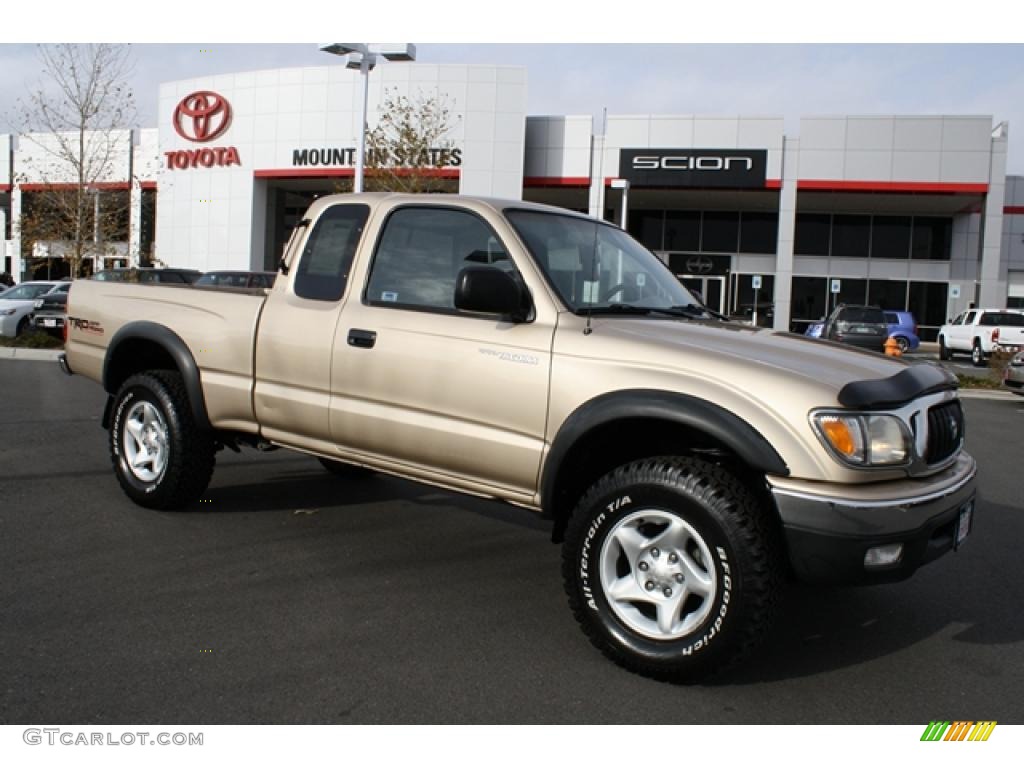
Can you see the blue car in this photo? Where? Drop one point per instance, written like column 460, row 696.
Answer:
column 903, row 328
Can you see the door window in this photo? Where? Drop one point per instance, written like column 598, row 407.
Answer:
column 327, row 257
column 421, row 252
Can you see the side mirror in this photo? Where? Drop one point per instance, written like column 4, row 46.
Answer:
column 491, row 291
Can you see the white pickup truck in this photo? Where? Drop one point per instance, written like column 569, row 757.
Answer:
column 981, row 332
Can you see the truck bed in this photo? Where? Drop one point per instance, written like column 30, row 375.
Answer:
column 218, row 326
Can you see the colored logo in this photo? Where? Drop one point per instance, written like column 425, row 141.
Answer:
column 960, row 730
column 202, row 116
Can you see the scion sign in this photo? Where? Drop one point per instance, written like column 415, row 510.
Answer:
column 732, row 168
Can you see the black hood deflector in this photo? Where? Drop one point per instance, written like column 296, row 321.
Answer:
column 915, row 381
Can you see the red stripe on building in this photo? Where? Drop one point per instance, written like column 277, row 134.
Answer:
column 100, row 185
column 939, row 187
column 313, row 173
column 556, row 181
column 147, row 185
column 5, row 187
column 1014, row 209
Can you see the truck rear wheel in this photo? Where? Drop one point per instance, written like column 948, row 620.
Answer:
column 161, row 458
column 672, row 567
column 977, row 356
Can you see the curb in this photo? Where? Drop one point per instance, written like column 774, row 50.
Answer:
column 20, row 353
column 988, row 394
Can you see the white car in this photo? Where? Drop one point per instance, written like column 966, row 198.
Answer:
column 17, row 303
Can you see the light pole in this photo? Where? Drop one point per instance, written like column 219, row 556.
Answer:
column 363, row 56
column 623, row 184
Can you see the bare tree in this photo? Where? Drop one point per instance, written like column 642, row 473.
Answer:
column 409, row 147
column 76, row 120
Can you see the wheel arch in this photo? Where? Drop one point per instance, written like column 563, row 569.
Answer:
column 143, row 345
column 619, row 427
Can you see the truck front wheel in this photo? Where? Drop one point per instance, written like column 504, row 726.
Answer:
column 161, row 458
column 672, row 567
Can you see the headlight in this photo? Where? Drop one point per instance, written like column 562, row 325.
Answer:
column 38, row 304
column 7, row 312
column 864, row 439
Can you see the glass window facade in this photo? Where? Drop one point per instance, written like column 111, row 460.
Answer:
column 888, row 294
column 720, row 232
column 813, row 234
column 890, row 237
column 928, row 303
column 851, row 236
column 759, row 232
column 877, row 237
column 932, row 238
column 682, row 231
column 705, row 231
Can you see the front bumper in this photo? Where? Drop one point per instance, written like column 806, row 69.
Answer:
column 829, row 528
column 1013, row 378
column 9, row 324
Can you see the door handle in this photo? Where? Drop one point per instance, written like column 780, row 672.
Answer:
column 360, row 338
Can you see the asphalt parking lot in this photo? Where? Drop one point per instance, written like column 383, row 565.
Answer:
column 289, row 596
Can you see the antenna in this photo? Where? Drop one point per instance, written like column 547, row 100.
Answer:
column 600, row 208
column 595, row 278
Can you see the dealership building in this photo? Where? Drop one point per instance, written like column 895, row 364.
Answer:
column 909, row 212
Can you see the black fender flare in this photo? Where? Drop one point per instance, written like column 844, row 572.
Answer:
column 676, row 408
column 179, row 352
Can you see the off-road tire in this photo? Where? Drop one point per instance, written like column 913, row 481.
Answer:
column 344, row 469
column 944, row 353
column 718, row 515
column 180, row 456
column 977, row 356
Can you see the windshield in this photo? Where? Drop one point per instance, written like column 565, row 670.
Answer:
column 27, row 291
column 592, row 265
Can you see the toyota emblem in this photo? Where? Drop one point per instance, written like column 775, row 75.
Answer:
column 202, row 116
column 699, row 265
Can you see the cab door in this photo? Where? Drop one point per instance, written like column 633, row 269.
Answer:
column 295, row 338
column 961, row 331
column 430, row 389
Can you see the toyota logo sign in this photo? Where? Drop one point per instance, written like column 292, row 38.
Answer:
column 202, row 116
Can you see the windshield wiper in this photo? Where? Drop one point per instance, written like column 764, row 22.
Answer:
column 697, row 310
column 683, row 310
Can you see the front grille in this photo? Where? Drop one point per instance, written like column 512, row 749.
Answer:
column 945, row 431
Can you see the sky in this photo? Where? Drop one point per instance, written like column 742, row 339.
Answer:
column 745, row 77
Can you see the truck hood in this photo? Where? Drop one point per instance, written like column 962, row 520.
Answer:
column 740, row 354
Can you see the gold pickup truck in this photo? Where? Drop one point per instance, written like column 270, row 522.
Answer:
column 534, row 355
